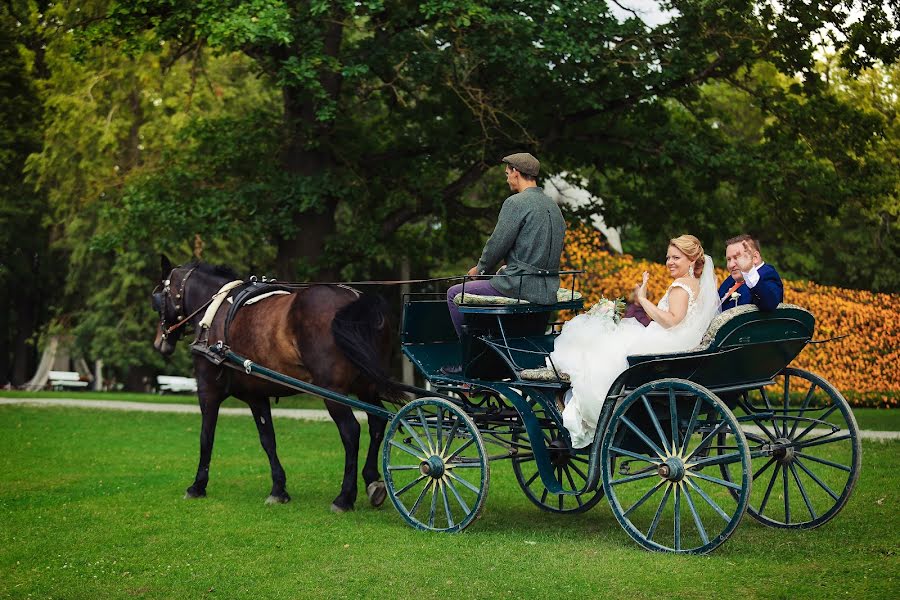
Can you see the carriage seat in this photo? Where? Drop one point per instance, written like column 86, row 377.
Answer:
column 548, row 374
column 562, row 295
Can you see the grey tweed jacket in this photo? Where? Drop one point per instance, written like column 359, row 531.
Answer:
column 528, row 237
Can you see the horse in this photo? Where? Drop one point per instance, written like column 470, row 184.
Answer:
column 329, row 335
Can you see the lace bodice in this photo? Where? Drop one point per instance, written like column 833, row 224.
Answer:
column 692, row 299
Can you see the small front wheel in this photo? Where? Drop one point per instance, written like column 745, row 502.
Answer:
column 435, row 466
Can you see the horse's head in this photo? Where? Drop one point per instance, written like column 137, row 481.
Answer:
column 168, row 300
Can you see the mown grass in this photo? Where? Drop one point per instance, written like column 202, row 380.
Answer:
column 91, row 506
column 878, row 419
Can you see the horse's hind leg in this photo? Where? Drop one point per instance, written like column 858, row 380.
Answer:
column 349, row 429
column 375, row 489
column 209, row 407
column 262, row 415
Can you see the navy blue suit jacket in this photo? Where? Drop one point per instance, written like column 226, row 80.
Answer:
column 767, row 294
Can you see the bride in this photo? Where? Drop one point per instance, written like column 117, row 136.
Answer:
column 593, row 349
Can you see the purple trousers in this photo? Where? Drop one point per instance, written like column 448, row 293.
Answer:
column 482, row 287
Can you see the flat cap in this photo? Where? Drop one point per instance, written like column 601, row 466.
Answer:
column 524, row 163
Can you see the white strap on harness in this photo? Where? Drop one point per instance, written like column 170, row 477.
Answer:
column 218, row 299
column 264, row 296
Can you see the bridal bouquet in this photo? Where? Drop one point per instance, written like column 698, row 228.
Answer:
column 611, row 309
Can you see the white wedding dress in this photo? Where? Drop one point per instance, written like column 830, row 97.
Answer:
column 593, row 350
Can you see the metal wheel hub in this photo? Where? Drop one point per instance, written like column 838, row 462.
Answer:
column 433, row 467
column 559, row 453
column 672, row 469
column 783, row 451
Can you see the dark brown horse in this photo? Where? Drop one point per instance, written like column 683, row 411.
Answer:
column 325, row 334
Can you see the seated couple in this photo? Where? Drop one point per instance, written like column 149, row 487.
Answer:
column 592, row 348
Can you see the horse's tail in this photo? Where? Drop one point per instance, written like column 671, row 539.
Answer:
column 357, row 329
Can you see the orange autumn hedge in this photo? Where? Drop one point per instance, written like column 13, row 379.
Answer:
column 865, row 365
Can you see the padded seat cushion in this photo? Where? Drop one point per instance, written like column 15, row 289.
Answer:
column 562, row 295
column 542, row 374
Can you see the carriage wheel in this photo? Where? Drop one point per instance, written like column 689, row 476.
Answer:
column 569, row 469
column 435, row 466
column 806, row 449
column 659, row 471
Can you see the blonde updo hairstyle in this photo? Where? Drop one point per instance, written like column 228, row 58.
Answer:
column 693, row 249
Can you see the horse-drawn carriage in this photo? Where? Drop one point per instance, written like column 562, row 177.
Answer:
column 686, row 443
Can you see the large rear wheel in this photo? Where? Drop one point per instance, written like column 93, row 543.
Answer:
column 805, row 443
column 660, row 456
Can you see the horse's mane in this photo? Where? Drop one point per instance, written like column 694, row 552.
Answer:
column 214, row 270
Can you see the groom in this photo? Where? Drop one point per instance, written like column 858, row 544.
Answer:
column 752, row 281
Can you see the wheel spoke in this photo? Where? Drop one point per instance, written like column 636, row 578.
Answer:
column 715, row 480
column 656, row 425
column 813, row 425
column 787, row 499
column 787, row 398
column 440, row 433
column 569, row 478
column 762, row 507
column 409, row 485
column 580, row 473
column 418, row 501
column 765, row 398
column 697, row 521
column 706, row 440
column 643, row 437
column 425, row 427
column 631, row 478
column 677, row 529
column 414, row 435
column 638, row 456
column 722, row 459
column 809, row 394
column 408, row 450
column 462, row 503
column 457, row 452
column 531, row 480
column 763, row 468
column 645, row 497
column 824, row 462
column 451, row 435
column 434, row 497
column 447, row 506
column 809, row 507
column 821, row 483
column 393, row 468
column 659, row 512
column 462, row 482
column 690, row 428
column 827, row 439
column 708, row 500
column 673, row 415
column 759, row 422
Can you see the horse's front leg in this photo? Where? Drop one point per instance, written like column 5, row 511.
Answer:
column 209, row 408
column 375, row 489
column 262, row 415
column 349, row 429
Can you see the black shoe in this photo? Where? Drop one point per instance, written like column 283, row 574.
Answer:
column 452, row 370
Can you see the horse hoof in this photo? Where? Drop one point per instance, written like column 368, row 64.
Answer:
column 377, row 493
column 192, row 495
column 340, row 509
column 273, row 499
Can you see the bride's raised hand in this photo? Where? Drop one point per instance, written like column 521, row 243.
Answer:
column 642, row 290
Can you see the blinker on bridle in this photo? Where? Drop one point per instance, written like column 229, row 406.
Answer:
column 158, row 302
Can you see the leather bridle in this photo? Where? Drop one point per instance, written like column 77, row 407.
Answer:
column 158, row 302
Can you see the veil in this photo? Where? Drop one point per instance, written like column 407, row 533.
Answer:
column 708, row 297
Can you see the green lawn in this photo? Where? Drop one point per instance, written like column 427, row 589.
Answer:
column 91, row 507
column 867, row 418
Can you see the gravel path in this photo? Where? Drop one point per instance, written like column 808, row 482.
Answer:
column 305, row 414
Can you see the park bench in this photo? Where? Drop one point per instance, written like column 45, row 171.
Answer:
column 65, row 379
column 173, row 383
